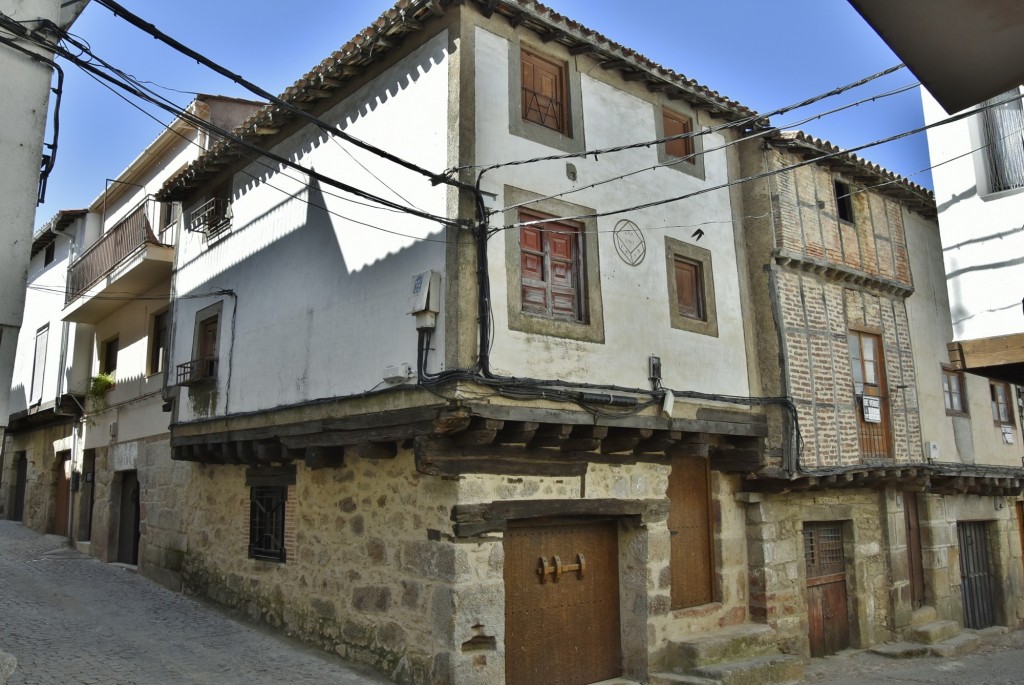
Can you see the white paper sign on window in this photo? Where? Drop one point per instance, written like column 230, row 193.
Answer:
column 872, row 409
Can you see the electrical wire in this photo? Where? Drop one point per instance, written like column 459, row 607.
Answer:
column 270, row 185
column 762, row 133
column 739, row 123
column 766, row 174
column 119, row 10
column 49, row 160
column 200, row 123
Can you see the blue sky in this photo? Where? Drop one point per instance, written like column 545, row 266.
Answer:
column 763, row 54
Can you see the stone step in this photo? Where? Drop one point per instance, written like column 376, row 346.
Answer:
column 900, row 650
column 923, row 615
column 936, row 631
column 776, row 668
column 728, row 644
column 678, row 679
column 955, row 647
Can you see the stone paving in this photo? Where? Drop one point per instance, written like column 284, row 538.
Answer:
column 68, row 618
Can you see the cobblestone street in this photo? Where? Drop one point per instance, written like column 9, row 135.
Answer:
column 68, row 618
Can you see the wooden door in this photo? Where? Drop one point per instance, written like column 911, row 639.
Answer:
column 20, row 482
column 827, row 617
column 976, row 577
column 689, row 523
column 208, row 346
column 128, row 526
column 915, row 562
column 562, row 604
column 62, row 493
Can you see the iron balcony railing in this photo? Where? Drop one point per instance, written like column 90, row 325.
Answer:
column 197, row 371
column 115, row 246
column 212, row 217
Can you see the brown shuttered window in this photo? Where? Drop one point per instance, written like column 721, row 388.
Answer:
column 953, row 392
column 690, row 289
column 551, row 268
column 545, row 98
column 674, row 125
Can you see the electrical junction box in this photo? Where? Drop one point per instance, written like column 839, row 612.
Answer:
column 398, row 373
column 931, row 450
column 425, row 301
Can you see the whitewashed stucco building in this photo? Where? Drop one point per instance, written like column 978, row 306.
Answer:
column 28, row 72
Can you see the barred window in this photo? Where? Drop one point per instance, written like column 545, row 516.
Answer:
column 266, row 522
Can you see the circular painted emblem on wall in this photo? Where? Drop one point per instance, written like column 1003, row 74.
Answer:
column 630, row 242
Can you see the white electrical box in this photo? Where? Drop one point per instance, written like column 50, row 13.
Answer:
column 931, row 450
column 425, row 301
column 398, row 373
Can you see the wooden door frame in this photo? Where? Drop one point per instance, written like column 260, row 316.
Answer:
column 848, row 576
column 885, row 406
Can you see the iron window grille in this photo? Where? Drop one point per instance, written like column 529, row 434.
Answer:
column 212, row 217
column 266, row 522
column 197, row 371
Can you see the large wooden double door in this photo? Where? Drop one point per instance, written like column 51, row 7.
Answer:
column 562, row 604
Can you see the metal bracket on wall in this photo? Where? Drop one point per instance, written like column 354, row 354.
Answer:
column 557, row 569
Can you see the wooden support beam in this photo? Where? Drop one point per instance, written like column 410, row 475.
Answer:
column 624, row 439
column 616, row 64
column 584, row 439
column 634, row 75
column 266, row 130
column 268, row 451
column 582, row 49
column 246, row 451
column 659, row 442
column 517, row 432
column 489, row 7
column 320, row 457
column 554, row 35
column 479, row 432
column 551, row 435
column 377, row 450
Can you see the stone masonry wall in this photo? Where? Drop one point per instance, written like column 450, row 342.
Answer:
column 163, row 484
column 778, row 578
column 41, row 475
column 941, row 553
column 374, row 575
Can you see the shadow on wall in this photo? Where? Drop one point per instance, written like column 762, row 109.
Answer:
column 373, row 96
column 298, row 289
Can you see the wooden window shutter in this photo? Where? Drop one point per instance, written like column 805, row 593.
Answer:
column 551, row 268
column 674, row 125
column 689, row 289
column 544, row 92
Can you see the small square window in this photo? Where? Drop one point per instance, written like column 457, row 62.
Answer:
column 1002, row 403
column 551, row 268
column 545, row 97
column 953, row 392
column 266, row 522
column 677, row 124
column 844, row 201
column 691, row 288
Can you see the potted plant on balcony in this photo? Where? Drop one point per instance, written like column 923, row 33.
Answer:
column 99, row 385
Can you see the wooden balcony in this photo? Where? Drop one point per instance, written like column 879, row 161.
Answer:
column 127, row 261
